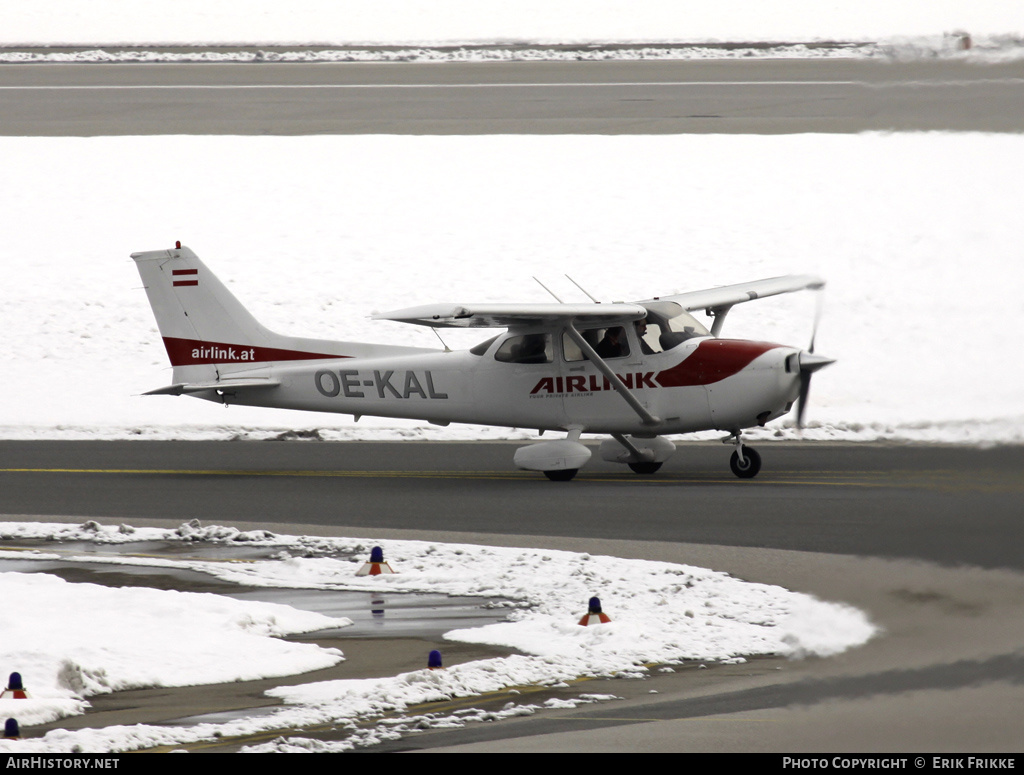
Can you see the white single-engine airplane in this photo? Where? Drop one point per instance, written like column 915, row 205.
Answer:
column 635, row 372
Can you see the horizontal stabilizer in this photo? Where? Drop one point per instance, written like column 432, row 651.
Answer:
column 225, row 386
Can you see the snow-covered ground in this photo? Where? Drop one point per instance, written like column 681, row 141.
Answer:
column 433, row 22
column 918, row 236
column 96, row 639
column 488, row 30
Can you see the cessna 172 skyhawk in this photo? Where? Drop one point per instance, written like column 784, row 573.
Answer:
column 636, row 371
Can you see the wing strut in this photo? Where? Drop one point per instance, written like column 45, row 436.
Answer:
column 604, row 368
column 718, row 313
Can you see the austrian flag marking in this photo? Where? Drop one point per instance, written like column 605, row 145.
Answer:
column 179, row 272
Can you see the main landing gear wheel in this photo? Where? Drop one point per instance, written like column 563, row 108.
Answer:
column 645, row 468
column 563, row 475
column 748, row 468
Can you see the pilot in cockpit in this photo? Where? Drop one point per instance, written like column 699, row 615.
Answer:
column 611, row 344
column 641, row 332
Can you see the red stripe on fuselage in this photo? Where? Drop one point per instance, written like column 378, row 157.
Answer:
column 713, row 361
column 192, row 352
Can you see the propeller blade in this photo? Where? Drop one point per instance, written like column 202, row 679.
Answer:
column 819, row 305
column 805, row 390
column 809, row 363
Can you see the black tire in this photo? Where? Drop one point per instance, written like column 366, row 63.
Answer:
column 562, row 475
column 751, row 463
column 645, row 468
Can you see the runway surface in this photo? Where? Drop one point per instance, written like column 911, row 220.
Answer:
column 762, row 96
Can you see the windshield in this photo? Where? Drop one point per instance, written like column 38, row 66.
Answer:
column 672, row 324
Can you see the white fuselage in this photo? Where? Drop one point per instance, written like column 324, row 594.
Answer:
column 702, row 384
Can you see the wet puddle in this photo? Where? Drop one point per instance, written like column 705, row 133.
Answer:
column 385, row 613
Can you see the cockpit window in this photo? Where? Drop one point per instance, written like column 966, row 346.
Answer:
column 648, row 331
column 607, row 342
column 528, row 348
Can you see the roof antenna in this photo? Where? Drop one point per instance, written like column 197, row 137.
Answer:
column 582, row 289
column 542, row 285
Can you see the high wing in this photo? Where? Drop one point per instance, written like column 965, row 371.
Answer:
column 507, row 315
column 728, row 295
column 718, row 301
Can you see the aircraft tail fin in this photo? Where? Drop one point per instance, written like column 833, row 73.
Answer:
column 206, row 330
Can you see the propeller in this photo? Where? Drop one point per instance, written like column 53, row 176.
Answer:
column 810, row 363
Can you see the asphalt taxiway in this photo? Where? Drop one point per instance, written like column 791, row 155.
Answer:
column 942, row 504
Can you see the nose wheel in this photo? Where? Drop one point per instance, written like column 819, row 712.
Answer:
column 745, row 462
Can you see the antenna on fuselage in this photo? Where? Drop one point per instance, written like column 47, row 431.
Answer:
column 447, row 349
column 582, row 289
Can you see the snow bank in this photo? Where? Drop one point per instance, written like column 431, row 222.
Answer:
column 72, row 641
column 55, row 22
column 95, row 639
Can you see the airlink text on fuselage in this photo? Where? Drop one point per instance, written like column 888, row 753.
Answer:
column 592, row 383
